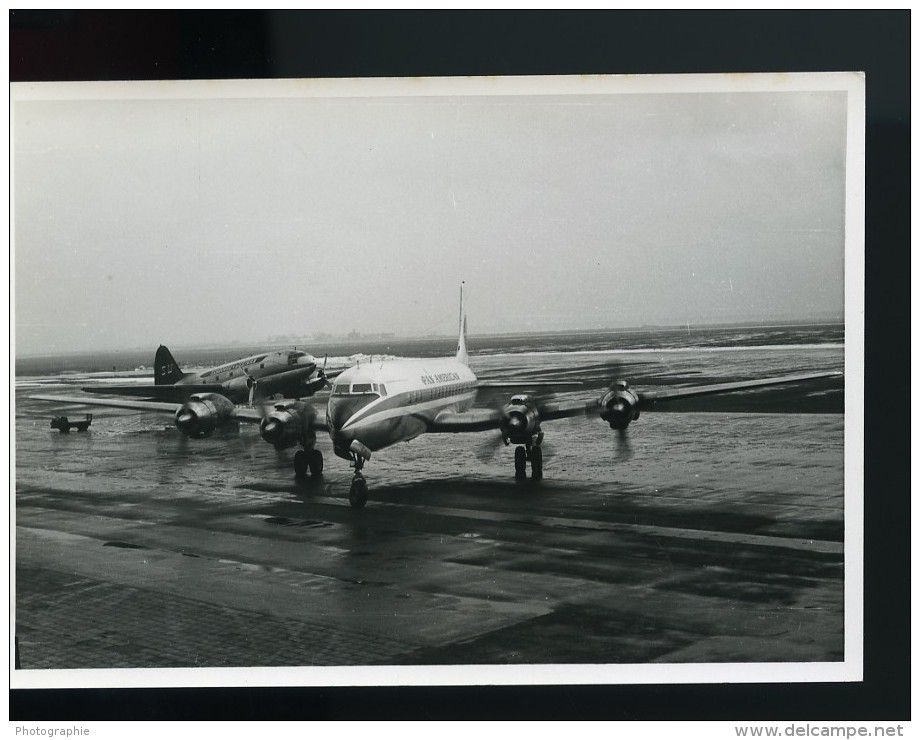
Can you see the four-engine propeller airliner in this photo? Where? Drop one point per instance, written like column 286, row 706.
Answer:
column 289, row 373
column 375, row 405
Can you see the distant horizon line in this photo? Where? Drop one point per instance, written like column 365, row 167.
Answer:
column 383, row 336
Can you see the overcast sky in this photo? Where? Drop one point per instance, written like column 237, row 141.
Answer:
column 180, row 221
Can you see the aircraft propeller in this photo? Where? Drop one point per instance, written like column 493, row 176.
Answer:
column 624, row 448
column 492, row 441
column 486, row 450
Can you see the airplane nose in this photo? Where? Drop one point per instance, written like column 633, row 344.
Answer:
column 338, row 415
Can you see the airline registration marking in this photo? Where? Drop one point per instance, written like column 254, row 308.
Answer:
column 234, row 365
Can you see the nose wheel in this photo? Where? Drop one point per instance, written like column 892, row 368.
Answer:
column 357, row 494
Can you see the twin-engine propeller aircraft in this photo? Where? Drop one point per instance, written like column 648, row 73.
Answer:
column 291, row 374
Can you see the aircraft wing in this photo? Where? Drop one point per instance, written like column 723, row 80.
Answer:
column 239, row 413
column 161, row 392
column 247, row 414
column 649, row 398
column 491, row 393
column 286, row 377
column 475, row 420
column 118, row 403
column 479, row 420
column 646, row 400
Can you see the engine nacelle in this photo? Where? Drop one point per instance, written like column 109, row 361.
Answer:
column 287, row 424
column 520, row 420
column 203, row 413
column 620, row 405
column 311, row 385
column 238, row 387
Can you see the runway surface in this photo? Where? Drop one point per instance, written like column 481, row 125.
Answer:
column 712, row 537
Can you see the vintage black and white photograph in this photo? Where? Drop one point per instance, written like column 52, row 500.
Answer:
column 429, row 381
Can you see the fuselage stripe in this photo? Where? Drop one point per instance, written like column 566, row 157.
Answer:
column 368, row 414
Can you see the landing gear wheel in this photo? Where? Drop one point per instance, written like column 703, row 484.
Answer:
column 357, row 496
column 520, row 463
column 536, row 463
column 315, row 463
column 301, row 463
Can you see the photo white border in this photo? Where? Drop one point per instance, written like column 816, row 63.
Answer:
column 850, row 669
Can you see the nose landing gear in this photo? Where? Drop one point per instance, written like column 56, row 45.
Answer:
column 357, row 494
column 357, row 453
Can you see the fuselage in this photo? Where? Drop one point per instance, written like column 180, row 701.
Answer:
column 382, row 403
column 234, row 376
column 256, row 366
column 290, row 373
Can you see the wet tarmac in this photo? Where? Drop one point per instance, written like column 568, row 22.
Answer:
column 710, row 537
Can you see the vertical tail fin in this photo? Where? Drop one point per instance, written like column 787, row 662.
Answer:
column 165, row 369
column 462, row 355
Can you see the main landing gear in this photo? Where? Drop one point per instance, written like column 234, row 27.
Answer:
column 308, row 463
column 531, row 452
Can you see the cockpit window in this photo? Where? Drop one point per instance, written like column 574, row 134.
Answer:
column 517, row 402
column 358, row 389
column 383, row 389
